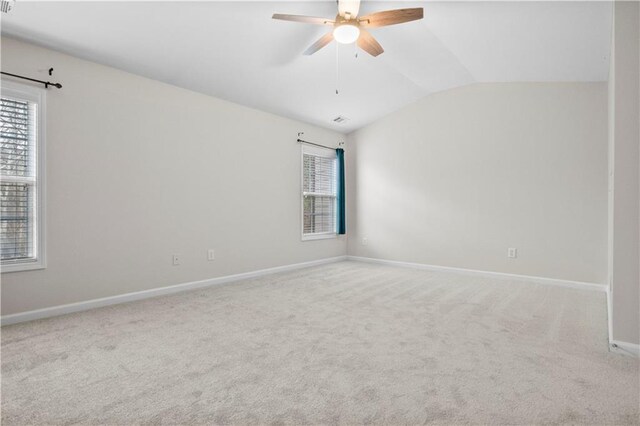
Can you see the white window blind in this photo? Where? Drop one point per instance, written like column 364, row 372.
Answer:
column 318, row 193
column 19, row 180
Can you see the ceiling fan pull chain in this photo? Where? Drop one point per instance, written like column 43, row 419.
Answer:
column 337, row 71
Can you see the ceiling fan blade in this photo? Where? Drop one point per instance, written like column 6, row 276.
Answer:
column 369, row 44
column 348, row 7
column 322, row 42
column 391, row 17
column 304, row 19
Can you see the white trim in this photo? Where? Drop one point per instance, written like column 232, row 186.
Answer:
column 146, row 294
column 39, row 97
column 319, row 236
column 25, row 265
column 617, row 346
column 609, row 314
column 537, row 280
column 625, row 348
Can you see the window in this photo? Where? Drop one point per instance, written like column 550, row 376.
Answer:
column 318, row 193
column 21, row 177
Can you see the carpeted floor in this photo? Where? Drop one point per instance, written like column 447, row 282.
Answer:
column 347, row 343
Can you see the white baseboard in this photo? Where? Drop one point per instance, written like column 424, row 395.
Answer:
column 146, row 294
column 537, row 280
column 617, row 346
column 609, row 316
column 625, row 348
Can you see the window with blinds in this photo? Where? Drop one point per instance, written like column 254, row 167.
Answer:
column 19, row 179
column 318, row 193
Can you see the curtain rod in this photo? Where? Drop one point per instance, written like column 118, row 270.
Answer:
column 46, row 83
column 317, row 144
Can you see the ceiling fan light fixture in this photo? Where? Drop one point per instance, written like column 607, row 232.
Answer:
column 346, row 33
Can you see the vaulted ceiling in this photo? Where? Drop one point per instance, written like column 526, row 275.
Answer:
column 235, row 51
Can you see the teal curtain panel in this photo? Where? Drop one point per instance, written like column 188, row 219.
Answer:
column 342, row 218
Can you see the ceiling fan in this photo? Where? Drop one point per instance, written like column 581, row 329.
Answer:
column 349, row 28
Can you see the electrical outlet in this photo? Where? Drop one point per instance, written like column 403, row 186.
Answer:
column 177, row 260
column 512, row 253
column 211, row 254
column 365, row 241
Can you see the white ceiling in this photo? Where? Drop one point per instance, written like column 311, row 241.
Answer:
column 235, row 51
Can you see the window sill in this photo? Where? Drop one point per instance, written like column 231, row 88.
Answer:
column 312, row 237
column 23, row 266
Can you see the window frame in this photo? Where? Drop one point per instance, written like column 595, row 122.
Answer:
column 319, row 152
column 38, row 96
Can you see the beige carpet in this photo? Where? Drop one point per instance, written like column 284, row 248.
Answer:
column 347, row 343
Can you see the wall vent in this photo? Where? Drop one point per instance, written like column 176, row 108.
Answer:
column 6, row 5
column 340, row 119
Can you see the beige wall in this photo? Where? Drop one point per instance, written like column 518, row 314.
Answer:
column 138, row 170
column 460, row 176
column 624, row 202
